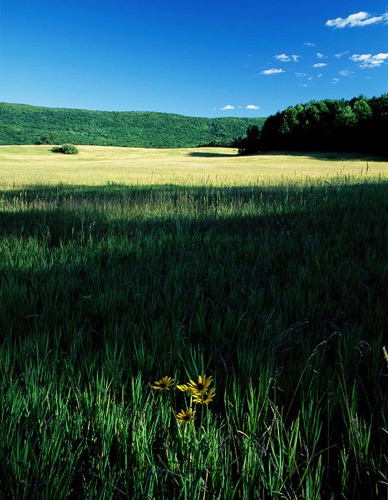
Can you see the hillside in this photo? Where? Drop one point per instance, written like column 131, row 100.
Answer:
column 24, row 124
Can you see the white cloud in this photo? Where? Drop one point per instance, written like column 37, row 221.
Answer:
column 253, row 106
column 346, row 72
column 358, row 19
column 286, row 58
column 282, row 57
column 340, row 54
column 369, row 61
column 300, row 75
column 309, row 44
column 272, row 71
column 227, row 107
column 319, row 65
column 320, row 55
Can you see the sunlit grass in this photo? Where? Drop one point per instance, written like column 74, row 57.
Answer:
column 93, row 166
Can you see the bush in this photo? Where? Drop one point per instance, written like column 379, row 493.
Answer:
column 67, row 149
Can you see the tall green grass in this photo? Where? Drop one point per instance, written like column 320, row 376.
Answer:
column 279, row 292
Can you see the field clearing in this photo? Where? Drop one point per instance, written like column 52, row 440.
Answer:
column 95, row 165
column 181, row 324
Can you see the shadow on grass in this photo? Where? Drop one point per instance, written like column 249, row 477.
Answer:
column 67, row 210
column 284, row 270
column 273, row 237
column 198, row 154
column 140, row 290
column 325, row 156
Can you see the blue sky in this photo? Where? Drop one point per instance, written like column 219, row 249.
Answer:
column 203, row 58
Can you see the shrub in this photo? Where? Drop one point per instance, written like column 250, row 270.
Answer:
column 67, row 149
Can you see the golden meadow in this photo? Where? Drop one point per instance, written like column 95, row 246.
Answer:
column 192, row 324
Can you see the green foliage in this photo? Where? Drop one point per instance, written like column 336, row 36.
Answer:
column 47, row 139
column 67, row 149
column 359, row 125
column 22, row 124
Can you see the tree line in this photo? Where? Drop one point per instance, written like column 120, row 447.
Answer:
column 24, row 124
column 357, row 125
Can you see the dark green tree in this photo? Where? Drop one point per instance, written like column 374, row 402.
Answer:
column 362, row 110
column 67, row 149
column 250, row 144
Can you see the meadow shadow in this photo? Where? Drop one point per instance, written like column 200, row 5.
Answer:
column 197, row 154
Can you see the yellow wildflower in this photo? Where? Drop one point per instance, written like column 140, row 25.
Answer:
column 201, row 386
column 183, row 388
column 204, row 398
column 163, row 384
column 186, row 416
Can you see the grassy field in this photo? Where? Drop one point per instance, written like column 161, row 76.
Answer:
column 26, row 165
column 127, row 276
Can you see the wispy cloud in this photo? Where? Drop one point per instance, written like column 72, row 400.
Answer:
column 359, row 19
column 272, row 71
column 369, row 61
column 341, row 54
column 309, row 44
column 286, row 58
column 253, row 107
column 227, row 107
column 346, row 72
column 320, row 55
column 319, row 65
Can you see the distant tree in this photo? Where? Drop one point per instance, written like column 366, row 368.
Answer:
column 271, row 133
column 376, row 129
column 290, row 121
column 251, row 143
column 67, row 149
column 346, row 117
column 379, row 107
column 362, row 110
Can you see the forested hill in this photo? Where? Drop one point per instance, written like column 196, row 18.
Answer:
column 24, row 124
column 356, row 125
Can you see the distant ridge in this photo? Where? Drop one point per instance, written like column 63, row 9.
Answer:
column 26, row 124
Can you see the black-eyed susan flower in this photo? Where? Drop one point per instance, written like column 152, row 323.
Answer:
column 186, row 416
column 163, row 384
column 201, row 386
column 183, row 388
column 204, row 398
